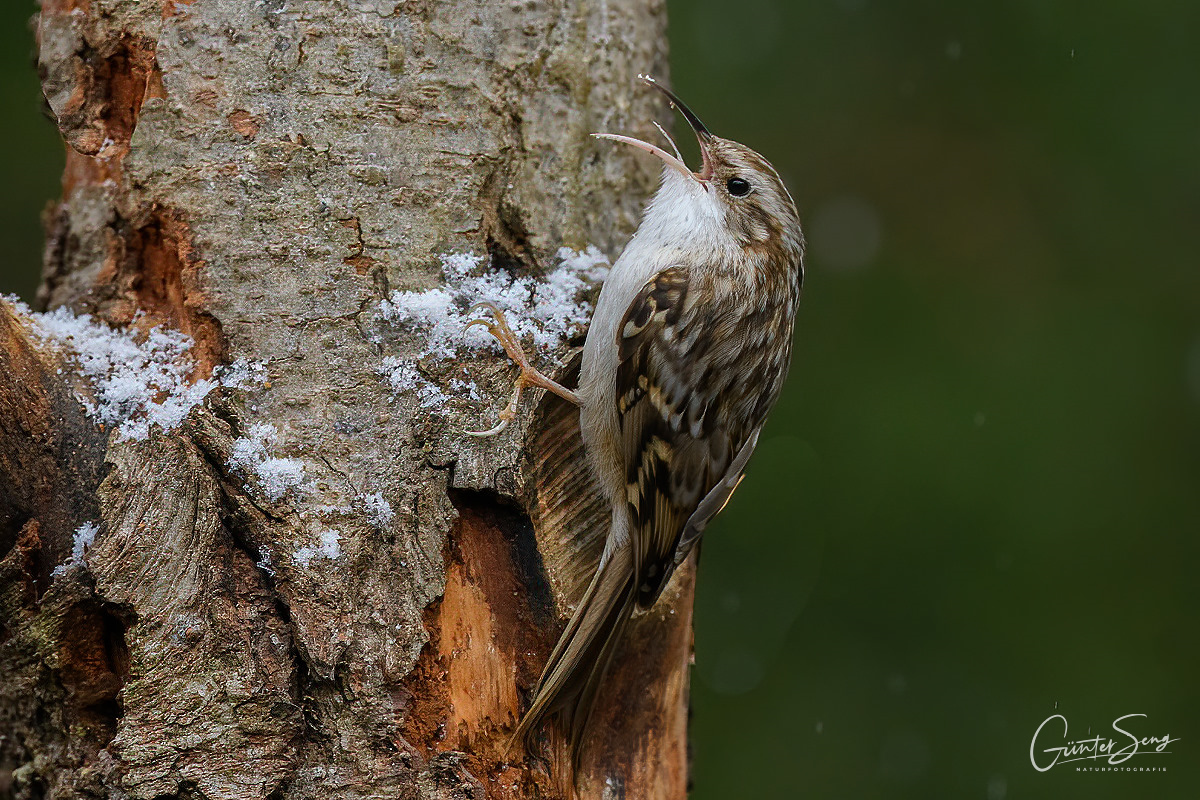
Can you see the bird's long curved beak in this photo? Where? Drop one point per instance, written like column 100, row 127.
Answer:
column 703, row 137
column 668, row 159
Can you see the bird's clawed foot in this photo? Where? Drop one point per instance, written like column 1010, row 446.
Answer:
column 497, row 325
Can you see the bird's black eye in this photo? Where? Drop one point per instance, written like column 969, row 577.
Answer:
column 738, row 187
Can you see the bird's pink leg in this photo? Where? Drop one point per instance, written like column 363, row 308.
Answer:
column 529, row 376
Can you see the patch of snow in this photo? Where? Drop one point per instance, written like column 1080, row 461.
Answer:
column 464, row 387
column 546, row 311
column 276, row 476
column 433, row 310
column 330, row 547
column 242, row 374
column 404, row 377
column 138, row 380
column 377, row 510
column 85, row 536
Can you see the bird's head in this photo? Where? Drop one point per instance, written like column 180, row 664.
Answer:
column 735, row 193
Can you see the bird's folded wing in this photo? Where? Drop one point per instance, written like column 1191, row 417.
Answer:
column 676, row 364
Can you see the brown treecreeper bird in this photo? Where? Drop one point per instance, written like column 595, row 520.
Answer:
column 685, row 356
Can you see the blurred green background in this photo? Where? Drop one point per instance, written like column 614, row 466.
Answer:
column 978, row 500
column 979, row 496
column 33, row 159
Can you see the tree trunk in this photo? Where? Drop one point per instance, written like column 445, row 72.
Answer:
column 263, row 560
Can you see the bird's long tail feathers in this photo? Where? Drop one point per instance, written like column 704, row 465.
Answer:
column 575, row 671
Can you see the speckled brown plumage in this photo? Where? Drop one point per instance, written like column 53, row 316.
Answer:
column 702, row 358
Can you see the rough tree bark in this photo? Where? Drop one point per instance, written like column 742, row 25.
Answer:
column 259, row 176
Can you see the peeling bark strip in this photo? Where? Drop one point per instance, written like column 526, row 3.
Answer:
column 315, row 585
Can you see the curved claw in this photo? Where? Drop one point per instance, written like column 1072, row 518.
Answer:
column 490, row 431
column 529, row 376
column 488, row 304
column 499, row 328
column 491, row 326
column 507, row 415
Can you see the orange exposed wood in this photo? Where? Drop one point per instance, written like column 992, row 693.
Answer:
column 484, row 642
column 489, row 638
column 167, row 285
